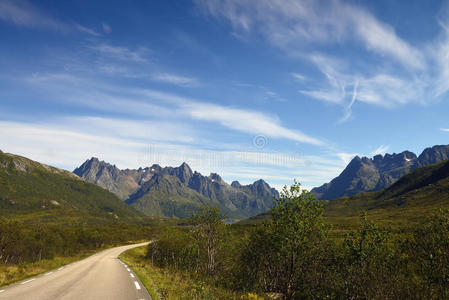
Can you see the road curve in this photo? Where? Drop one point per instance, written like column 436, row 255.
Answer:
column 100, row 276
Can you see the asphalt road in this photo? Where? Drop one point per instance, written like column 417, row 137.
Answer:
column 100, row 276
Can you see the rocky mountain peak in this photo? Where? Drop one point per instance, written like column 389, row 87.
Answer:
column 178, row 190
column 215, row 177
column 434, row 154
column 365, row 175
column 236, row 184
column 184, row 173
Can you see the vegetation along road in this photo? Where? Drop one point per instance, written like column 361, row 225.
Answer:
column 100, row 276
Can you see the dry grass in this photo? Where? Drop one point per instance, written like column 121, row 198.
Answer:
column 14, row 273
column 163, row 283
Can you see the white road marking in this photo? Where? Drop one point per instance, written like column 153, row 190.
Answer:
column 137, row 285
column 2, row 291
column 60, row 268
column 131, row 275
column 28, row 281
column 48, row 273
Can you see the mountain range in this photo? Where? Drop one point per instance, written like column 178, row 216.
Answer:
column 409, row 201
column 377, row 173
column 178, row 191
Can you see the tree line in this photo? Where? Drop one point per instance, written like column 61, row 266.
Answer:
column 294, row 256
column 22, row 242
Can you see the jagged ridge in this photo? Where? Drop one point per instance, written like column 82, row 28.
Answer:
column 368, row 175
column 178, row 191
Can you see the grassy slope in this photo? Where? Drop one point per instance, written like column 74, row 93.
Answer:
column 14, row 273
column 30, row 191
column 168, row 284
column 410, row 200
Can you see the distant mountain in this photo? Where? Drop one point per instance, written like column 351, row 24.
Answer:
column 410, row 200
column 178, row 191
column 35, row 192
column 123, row 183
column 368, row 175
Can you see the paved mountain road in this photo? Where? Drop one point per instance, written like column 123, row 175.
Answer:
column 100, row 276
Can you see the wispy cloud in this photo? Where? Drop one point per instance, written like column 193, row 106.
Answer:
column 343, row 87
column 245, row 121
column 394, row 71
column 288, row 24
column 24, row 13
column 382, row 149
column 148, row 102
column 176, row 79
column 444, row 129
column 122, row 53
column 346, row 157
column 131, row 144
column 86, row 30
column 298, row 77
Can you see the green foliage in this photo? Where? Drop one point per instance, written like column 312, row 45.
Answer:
column 195, row 249
column 209, row 228
column 286, row 254
column 429, row 250
column 293, row 256
column 21, row 242
column 370, row 264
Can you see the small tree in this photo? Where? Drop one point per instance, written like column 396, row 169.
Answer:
column 209, row 229
column 368, row 263
column 286, row 254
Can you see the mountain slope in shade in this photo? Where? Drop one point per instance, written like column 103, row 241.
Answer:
column 178, row 191
column 31, row 191
column 367, row 175
column 409, row 200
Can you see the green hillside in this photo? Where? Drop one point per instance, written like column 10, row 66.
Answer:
column 166, row 196
column 411, row 199
column 30, row 191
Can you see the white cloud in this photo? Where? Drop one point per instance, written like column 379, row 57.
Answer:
column 299, row 77
column 67, row 142
column 289, row 24
column 245, row 121
column 296, row 26
column 86, row 30
column 176, row 79
column 142, row 102
column 22, row 13
column 121, row 53
column 66, row 148
column 346, row 157
column 444, row 129
column 380, row 150
column 142, row 130
column 382, row 38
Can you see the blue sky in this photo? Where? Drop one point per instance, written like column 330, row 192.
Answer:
column 248, row 89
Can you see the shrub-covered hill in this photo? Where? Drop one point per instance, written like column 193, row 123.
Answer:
column 30, row 191
column 413, row 198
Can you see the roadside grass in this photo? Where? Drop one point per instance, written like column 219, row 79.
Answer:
column 164, row 283
column 14, row 273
